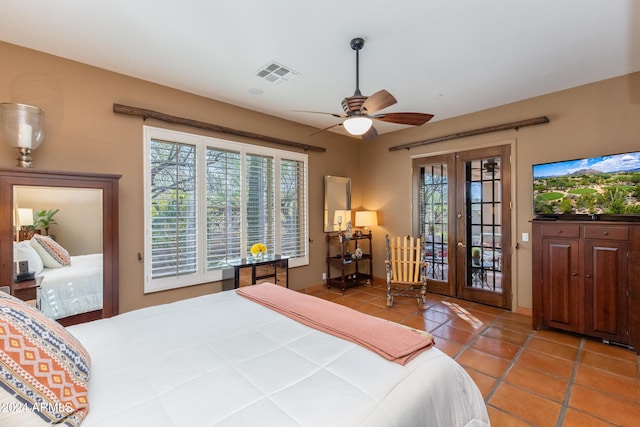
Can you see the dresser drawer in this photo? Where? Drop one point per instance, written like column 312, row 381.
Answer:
column 561, row 230
column 606, row 232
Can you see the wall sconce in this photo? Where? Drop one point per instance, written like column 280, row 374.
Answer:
column 21, row 126
column 366, row 219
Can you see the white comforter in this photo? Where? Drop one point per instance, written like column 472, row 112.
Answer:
column 222, row 360
column 74, row 289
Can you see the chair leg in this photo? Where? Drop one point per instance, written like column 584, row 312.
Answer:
column 389, row 300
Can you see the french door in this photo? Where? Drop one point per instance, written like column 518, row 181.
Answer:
column 462, row 208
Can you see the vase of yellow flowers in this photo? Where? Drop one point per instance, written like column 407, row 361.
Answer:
column 258, row 250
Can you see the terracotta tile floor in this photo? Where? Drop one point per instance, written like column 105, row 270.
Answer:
column 527, row 377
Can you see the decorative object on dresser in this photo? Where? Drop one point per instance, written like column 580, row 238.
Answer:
column 344, row 267
column 584, row 278
column 101, row 187
column 21, row 127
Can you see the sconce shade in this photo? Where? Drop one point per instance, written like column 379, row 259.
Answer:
column 25, row 216
column 357, row 125
column 366, row 218
column 22, row 125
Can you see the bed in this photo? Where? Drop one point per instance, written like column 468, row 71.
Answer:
column 224, row 360
column 70, row 284
column 72, row 289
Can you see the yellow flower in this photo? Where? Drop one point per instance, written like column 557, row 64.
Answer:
column 258, row 247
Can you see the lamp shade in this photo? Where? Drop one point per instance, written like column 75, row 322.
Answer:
column 366, row 218
column 21, row 125
column 357, row 125
column 25, row 216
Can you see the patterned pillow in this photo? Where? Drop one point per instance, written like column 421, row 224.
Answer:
column 44, row 370
column 53, row 255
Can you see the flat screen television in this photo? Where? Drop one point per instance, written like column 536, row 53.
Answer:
column 605, row 187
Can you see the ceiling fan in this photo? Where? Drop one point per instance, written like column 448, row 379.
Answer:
column 360, row 111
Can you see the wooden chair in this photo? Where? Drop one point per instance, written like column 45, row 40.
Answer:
column 406, row 269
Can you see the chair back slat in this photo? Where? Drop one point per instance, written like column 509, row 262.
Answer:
column 405, row 258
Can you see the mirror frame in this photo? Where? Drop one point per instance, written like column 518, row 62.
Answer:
column 108, row 183
column 333, row 181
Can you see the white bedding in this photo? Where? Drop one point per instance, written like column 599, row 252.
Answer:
column 73, row 289
column 222, row 360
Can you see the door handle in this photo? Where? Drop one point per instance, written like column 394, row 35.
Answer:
column 461, row 245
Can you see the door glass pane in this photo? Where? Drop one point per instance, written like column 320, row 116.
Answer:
column 484, row 228
column 434, row 214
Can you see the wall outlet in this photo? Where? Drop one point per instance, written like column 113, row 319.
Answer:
column 324, row 276
column 525, row 237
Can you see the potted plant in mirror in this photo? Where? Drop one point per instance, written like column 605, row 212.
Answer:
column 43, row 219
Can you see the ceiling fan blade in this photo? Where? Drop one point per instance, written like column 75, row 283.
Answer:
column 323, row 129
column 319, row 112
column 372, row 133
column 379, row 100
column 414, row 119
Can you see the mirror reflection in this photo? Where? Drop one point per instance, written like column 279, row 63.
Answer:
column 337, row 203
column 59, row 236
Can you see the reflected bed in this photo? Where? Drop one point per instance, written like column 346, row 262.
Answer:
column 73, row 289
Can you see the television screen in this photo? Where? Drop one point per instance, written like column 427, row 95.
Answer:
column 606, row 185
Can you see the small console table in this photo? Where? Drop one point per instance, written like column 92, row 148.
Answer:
column 272, row 268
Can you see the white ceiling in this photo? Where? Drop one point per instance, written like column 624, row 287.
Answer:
column 442, row 57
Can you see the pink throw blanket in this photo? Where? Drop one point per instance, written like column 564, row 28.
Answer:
column 392, row 341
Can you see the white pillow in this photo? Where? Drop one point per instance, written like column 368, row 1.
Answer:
column 53, row 255
column 25, row 252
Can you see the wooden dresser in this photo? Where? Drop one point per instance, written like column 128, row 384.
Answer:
column 586, row 278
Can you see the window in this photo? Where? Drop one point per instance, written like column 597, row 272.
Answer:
column 207, row 201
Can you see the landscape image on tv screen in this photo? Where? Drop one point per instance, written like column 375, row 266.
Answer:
column 607, row 185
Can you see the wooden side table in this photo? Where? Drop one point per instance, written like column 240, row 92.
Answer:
column 27, row 290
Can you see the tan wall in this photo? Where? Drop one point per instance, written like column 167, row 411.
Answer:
column 83, row 134
column 591, row 120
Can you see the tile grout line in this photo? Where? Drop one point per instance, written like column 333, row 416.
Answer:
column 572, row 379
column 511, row 364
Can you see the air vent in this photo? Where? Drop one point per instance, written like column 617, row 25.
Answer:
column 277, row 73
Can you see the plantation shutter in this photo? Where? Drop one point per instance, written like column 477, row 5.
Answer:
column 224, row 220
column 173, row 209
column 260, row 197
column 293, row 209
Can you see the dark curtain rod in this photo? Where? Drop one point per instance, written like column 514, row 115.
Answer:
column 497, row 128
column 150, row 114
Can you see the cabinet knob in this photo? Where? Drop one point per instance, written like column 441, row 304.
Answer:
column 605, row 233
column 588, row 276
column 559, row 231
column 574, row 274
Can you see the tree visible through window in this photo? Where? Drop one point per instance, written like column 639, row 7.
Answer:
column 208, row 200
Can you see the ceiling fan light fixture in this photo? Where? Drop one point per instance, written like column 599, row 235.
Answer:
column 357, row 125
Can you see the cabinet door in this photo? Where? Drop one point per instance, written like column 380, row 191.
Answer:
column 606, row 289
column 562, row 292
